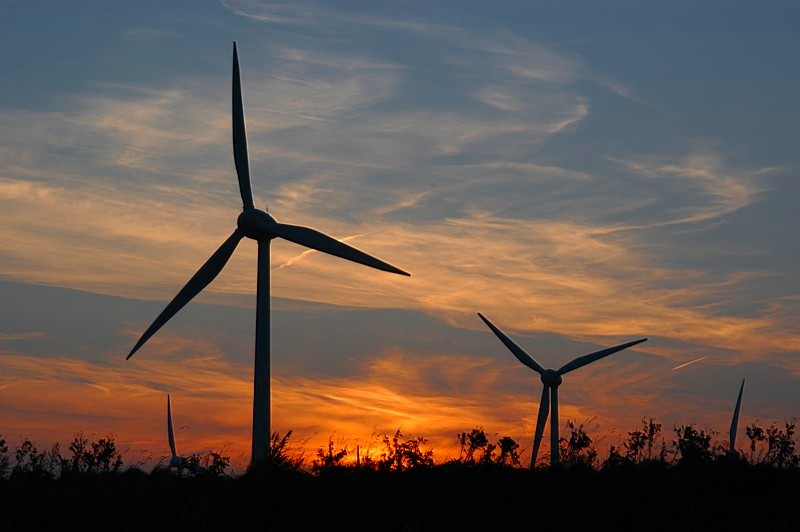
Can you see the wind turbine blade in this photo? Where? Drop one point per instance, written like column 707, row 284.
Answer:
column 305, row 236
column 240, row 156
column 541, row 421
column 735, row 421
column 204, row 275
column 518, row 352
column 597, row 355
column 170, row 432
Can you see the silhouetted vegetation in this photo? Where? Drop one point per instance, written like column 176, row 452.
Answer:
column 645, row 481
column 692, row 446
column 92, row 457
column 645, row 446
column 577, row 449
column 476, row 449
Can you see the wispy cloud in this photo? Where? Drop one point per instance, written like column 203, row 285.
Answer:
column 21, row 336
column 282, row 12
column 301, row 256
column 699, row 187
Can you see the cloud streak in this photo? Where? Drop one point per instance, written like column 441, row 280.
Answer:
column 679, row 366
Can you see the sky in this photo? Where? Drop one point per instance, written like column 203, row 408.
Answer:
column 581, row 176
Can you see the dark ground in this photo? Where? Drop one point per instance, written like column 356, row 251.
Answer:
column 448, row 497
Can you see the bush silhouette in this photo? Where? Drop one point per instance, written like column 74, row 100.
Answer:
column 99, row 456
column 404, row 455
column 509, row 451
column 577, row 449
column 781, row 446
column 5, row 461
column 330, row 457
column 692, row 447
column 642, row 446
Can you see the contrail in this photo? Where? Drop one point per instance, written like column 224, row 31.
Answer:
column 301, row 256
column 690, row 362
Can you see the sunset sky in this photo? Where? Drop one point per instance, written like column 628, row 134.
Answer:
column 583, row 177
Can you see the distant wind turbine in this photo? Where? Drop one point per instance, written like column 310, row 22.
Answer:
column 262, row 227
column 735, row 421
column 551, row 378
column 178, row 462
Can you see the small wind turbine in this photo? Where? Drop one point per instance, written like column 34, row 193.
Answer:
column 551, row 378
column 262, row 227
column 735, row 421
column 178, row 462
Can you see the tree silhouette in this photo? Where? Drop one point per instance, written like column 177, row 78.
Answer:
column 781, row 446
column 30, row 462
column 92, row 456
column 692, row 447
column 756, row 435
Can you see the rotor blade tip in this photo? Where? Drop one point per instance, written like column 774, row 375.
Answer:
column 394, row 269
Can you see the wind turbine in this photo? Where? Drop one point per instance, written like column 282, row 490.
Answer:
column 551, row 378
column 262, row 227
column 175, row 461
column 735, row 421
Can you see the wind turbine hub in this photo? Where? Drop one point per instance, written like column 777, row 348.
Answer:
column 255, row 224
column 550, row 377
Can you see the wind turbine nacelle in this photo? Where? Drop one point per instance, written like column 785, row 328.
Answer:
column 256, row 224
column 550, row 377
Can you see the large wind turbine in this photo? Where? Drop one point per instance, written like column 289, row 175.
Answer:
column 551, row 378
column 262, row 227
column 735, row 421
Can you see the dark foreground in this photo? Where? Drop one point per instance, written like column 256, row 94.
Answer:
column 733, row 496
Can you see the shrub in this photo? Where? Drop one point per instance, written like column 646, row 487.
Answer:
column 692, row 447
column 403, row 455
column 577, row 449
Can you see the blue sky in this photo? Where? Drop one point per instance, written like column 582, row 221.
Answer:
column 582, row 176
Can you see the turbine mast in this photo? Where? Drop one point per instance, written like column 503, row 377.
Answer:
column 554, row 426
column 262, row 392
